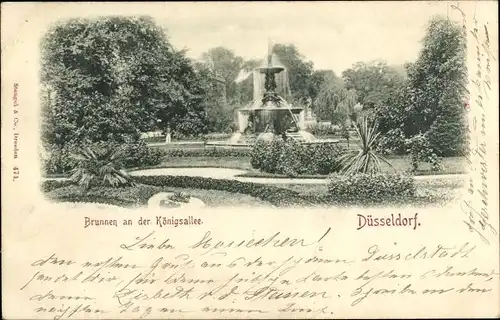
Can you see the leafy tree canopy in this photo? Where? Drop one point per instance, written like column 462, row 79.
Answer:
column 107, row 78
column 375, row 82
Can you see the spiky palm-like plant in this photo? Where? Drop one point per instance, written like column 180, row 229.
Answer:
column 99, row 166
column 365, row 160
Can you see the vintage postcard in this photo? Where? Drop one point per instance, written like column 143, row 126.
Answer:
column 250, row 160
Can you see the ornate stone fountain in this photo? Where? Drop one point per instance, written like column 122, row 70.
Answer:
column 270, row 114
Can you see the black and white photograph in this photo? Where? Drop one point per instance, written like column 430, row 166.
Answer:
column 250, row 160
column 269, row 109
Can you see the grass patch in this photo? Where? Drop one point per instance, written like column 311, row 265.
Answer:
column 138, row 196
column 428, row 193
column 452, row 165
column 222, row 162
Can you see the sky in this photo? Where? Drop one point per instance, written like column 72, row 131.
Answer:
column 333, row 35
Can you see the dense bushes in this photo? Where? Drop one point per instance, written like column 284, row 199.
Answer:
column 447, row 136
column 370, row 187
column 292, row 158
column 322, row 129
column 392, row 142
column 137, row 153
column 58, row 160
column 207, row 152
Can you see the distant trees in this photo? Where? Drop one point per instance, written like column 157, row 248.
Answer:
column 299, row 70
column 227, row 65
column 108, row 79
column 375, row 82
column 333, row 101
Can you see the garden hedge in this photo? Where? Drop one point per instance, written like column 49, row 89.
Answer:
column 371, row 187
column 206, row 152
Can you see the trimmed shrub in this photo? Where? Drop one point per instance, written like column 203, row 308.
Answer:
column 139, row 154
column 447, row 137
column 292, row 158
column 322, row 158
column 370, row 187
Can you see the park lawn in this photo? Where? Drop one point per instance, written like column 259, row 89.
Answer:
column 437, row 186
column 214, row 162
column 433, row 191
column 451, row 165
column 428, row 192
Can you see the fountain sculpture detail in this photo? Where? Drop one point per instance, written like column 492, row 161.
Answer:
column 270, row 115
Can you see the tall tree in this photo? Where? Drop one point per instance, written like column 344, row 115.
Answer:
column 437, row 88
column 219, row 112
column 110, row 78
column 329, row 96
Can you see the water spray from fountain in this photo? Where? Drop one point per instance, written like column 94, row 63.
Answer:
column 270, row 115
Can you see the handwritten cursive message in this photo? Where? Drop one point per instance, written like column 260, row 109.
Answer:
column 477, row 215
column 275, row 274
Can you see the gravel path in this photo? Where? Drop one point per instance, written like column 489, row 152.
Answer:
column 231, row 174
column 222, row 173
